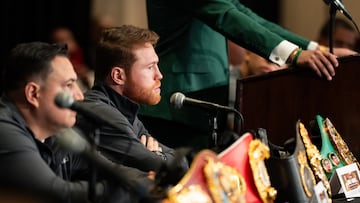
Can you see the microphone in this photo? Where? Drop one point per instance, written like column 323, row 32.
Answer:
column 70, row 139
column 178, row 100
column 339, row 6
column 65, row 100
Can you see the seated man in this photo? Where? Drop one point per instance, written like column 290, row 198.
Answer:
column 34, row 73
column 126, row 75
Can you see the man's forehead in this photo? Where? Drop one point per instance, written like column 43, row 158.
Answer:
column 61, row 66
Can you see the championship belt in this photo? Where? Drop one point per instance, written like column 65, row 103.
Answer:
column 314, row 157
column 335, row 152
column 289, row 171
column 209, row 180
column 247, row 156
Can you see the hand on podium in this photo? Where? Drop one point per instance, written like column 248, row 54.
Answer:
column 322, row 63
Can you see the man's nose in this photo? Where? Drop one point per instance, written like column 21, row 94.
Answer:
column 77, row 94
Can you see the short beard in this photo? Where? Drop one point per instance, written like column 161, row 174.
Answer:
column 142, row 95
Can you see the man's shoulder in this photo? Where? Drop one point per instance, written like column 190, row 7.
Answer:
column 94, row 95
column 98, row 100
column 15, row 134
column 10, row 118
column 99, row 103
column 6, row 107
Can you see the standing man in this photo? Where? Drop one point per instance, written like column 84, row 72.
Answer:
column 33, row 75
column 127, row 75
column 193, row 58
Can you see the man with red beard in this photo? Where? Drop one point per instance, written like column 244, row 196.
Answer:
column 33, row 168
column 127, row 75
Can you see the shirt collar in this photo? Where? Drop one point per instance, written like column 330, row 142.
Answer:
column 125, row 105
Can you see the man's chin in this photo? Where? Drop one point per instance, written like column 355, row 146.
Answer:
column 70, row 123
column 154, row 101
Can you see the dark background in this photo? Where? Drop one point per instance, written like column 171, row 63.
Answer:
column 33, row 20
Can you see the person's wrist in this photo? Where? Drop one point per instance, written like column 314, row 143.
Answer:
column 292, row 56
column 296, row 56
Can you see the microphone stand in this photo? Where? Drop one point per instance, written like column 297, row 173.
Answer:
column 333, row 8
column 332, row 13
column 94, row 142
column 238, row 125
column 238, row 122
column 214, row 127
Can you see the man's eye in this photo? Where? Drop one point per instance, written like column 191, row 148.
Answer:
column 70, row 84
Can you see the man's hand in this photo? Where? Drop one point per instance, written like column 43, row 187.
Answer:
column 150, row 143
column 323, row 63
column 151, row 175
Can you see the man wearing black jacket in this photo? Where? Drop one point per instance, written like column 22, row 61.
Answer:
column 127, row 75
column 33, row 75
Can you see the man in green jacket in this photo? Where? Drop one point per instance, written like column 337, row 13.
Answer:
column 193, row 59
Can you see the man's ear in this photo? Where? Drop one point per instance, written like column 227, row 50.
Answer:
column 32, row 94
column 118, row 75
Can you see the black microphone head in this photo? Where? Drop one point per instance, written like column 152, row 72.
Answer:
column 177, row 100
column 64, row 100
column 71, row 140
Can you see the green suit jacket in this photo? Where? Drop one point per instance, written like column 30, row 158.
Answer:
column 192, row 46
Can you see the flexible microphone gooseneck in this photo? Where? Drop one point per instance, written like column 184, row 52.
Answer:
column 70, row 139
column 65, row 100
column 339, row 6
column 178, row 100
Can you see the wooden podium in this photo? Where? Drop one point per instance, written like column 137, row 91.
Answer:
column 275, row 101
